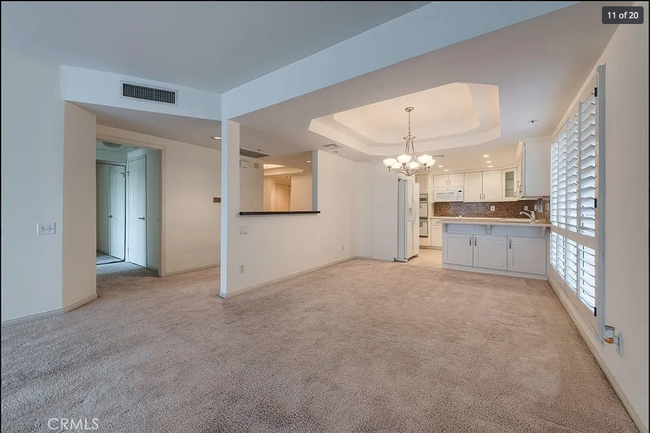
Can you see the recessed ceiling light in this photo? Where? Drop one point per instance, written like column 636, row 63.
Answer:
column 532, row 121
column 490, row 166
column 440, row 166
column 488, row 162
column 271, row 166
column 308, row 162
column 445, row 169
column 486, row 156
column 216, row 137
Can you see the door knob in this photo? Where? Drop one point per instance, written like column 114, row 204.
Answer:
column 110, row 216
column 141, row 218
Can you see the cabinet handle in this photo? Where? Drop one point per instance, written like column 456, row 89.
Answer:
column 470, row 241
column 510, row 243
column 475, row 241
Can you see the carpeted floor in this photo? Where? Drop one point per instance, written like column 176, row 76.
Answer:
column 358, row 347
column 104, row 259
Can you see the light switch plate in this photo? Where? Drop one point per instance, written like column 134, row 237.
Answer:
column 525, row 207
column 243, row 230
column 493, row 208
column 45, row 228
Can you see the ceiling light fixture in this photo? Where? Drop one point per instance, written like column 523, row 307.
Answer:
column 308, row 162
column 486, row 156
column 488, row 162
column 408, row 163
column 440, row 166
column 272, row 166
column 490, row 166
column 216, row 137
column 445, row 169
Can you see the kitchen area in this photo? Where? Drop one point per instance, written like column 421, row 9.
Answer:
column 476, row 220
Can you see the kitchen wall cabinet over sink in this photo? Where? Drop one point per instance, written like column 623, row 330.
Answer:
column 483, row 186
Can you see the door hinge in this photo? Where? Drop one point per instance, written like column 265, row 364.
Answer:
column 595, row 91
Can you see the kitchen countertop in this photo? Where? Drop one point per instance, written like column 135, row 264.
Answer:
column 491, row 221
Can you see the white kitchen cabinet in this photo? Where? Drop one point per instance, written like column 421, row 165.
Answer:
column 483, row 186
column 491, row 252
column 509, row 184
column 422, row 180
column 527, row 255
column 473, row 187
column 442, row 180
column 534, row 167
column 459, row 249
column 436, row 234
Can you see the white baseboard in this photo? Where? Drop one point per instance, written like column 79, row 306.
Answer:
column 198, row 268
column 494, row 272
column 286, row 277
column 578, row 321
column 79, row 303
column 31, row 317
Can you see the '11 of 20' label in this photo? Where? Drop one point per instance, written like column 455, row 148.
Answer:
column 622, row 14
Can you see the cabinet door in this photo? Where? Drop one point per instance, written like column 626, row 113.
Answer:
column 439, row 180
column 473, row 186
column 527, row 255
column 458, row 249
column 457, row 179
column 509, row 184
column 492, row 185
column 491, row 252
column 436, row 235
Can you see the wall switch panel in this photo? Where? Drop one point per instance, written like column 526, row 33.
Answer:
column 493, row 208
column 525, row 207
column 46, row 228
column 243, row 230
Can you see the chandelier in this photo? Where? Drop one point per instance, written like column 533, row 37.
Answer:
column 408, row 163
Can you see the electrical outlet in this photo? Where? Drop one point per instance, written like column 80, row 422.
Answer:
column 241, row 269
column 45, row 228
column 525, row 207
column 243, row 230
column 493, row 208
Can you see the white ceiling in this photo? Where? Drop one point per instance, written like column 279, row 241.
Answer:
column 213, row 46
column 538, row 66
column 184, row 129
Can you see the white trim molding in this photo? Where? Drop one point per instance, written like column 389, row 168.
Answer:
column 32, row 317
column 79, row 303
column 198, row 268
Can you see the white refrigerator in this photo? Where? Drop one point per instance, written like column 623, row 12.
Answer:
column 408, row 219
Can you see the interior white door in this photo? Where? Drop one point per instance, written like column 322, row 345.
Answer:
column 137, row 211
column 116, row 210
column 473, row 187
column 527, row 255
column 492, row 185
column 282, row 197
column 490, row 252
column 458, row 249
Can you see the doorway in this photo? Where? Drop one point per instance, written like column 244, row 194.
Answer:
column 128, row 205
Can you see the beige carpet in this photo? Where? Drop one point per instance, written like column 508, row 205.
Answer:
column 362, row 346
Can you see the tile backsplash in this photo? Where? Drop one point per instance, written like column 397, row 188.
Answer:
column 502, row 209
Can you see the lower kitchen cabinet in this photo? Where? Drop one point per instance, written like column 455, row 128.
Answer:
column 459, row 249
column 491, row 252
column 527, row 255
column 436, row 234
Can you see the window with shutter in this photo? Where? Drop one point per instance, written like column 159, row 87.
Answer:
column 574, row 190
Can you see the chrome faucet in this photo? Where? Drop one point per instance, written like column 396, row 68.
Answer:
column 530, row 214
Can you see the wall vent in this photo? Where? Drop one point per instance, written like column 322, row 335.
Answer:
column 147, row 93
column 252, row 153
column 332, row 146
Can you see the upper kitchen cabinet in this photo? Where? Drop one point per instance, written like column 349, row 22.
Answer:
column 483, row 186
column 533, row 168
column 422, row 180
column 442, row 180
column 509, row 183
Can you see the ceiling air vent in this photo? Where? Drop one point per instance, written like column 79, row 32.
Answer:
column 147, row 93
column 332, row 146
column 252, row 153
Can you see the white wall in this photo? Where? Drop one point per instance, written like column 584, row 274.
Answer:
column 301, row 192
column 153, row 216
column 252, row 184
column 626, row 209
column 191, row 178
column 280, row 245
column 79, row 206
column 104, row 88
column 32, row 185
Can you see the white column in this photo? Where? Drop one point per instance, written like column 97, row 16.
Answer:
column 230, row 143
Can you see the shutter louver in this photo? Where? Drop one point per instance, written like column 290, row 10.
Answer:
column 587, row 276
column 554, row 179
column 571, row 265
column 587, row 167
column 572, row 176
column 561, row 182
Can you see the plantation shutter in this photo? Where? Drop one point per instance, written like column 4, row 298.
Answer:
column 572, row 175
column 588, row 158
column 561, row 181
